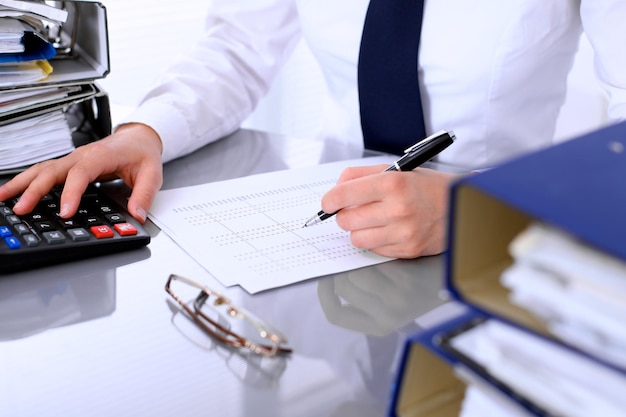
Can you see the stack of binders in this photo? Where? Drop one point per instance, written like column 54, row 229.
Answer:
column 537, row 257
column 51, row 54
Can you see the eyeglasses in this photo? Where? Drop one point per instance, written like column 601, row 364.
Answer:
column 212, row 311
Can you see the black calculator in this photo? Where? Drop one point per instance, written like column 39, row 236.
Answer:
column 100, row 226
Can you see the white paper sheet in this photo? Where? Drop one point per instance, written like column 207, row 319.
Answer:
column 34, row 139
column 559, row 381
column 249, row 231
column 575, row 289
column 30, row 8
column 479, row 401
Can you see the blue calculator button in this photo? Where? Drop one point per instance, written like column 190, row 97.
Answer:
column 13, row 242
column 5, row 231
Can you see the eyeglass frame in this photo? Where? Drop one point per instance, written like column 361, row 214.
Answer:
column 228, row 337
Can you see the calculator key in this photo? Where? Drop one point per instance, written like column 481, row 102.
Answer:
column 115, row 218
column 31, row 240
column 36, row 217
column 92, row 220
column 5, row 231
column 102, row 231
column 13, row 219
column 13, row 242
column 54, row 237
column 21, row 228
column 68, row 223
column 78, row 234
column 125, row 229
column 5, row 211
column 44, row 226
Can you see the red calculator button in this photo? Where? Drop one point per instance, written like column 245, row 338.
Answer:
column 102, row 231
column 125, row 229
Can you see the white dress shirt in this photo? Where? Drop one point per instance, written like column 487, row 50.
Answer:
column 493, row 71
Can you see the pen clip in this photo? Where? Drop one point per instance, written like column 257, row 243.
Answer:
column 425, row 141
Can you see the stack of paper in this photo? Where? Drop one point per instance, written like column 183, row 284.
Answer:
column 555, row 380
column 579, row 293
column 34, row 139
column 15, row 100
column 22, row 73
column 24, row 48
column 26, row 136
column 32, row 10
column 11, row 34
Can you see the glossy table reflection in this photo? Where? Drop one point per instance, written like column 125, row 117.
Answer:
column 101, row 337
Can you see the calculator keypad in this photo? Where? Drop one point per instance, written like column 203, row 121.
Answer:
column 99, row 226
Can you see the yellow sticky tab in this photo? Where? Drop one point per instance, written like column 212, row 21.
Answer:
column 45, row 66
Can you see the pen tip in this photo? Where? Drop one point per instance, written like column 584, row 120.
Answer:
column 313, row 221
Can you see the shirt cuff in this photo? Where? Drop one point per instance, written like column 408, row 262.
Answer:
column 169, row 124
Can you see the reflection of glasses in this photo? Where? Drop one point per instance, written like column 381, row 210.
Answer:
column 254, row 370
column 209, row 309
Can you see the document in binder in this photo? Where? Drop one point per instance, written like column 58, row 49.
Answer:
column 20, row 42
column 52, row 128
column 71, row 37
column 28, row 9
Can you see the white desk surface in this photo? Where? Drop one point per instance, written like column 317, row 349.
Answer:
column 100, row 337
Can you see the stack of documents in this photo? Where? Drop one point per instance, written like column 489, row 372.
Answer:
column 26, row 136
column 579, row 293
column 17, row 100
column 34, row 139
column 23, row 40
column 35, row 10
column 548, row 378
column 11, row 34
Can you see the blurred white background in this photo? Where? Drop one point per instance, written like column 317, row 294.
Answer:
column 145, row 35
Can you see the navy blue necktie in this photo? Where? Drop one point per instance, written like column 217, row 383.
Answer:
column 390, row 104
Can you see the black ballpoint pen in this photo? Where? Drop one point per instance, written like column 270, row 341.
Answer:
column 416, row 155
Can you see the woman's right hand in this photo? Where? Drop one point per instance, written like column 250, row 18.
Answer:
column 132, row 153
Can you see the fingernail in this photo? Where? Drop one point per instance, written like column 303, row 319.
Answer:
column 17, row 206
column 141, row 213
column 65, row 210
